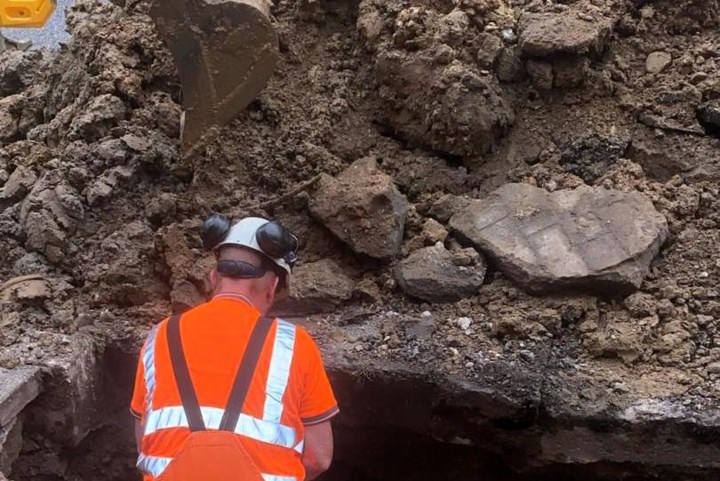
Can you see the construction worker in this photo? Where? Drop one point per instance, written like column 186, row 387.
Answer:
column 224, row 393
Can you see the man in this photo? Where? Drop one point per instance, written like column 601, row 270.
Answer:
column 224, row 393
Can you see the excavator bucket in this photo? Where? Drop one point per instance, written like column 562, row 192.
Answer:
column 225, row 52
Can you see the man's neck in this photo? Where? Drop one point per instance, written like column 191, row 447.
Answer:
column 235, row 295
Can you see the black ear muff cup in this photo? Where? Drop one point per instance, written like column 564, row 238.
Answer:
column 275, row 240
column 214, row 230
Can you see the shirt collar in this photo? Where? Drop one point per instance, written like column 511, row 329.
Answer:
column 235, row 297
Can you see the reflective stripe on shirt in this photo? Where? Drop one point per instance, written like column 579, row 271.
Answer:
column 253, row 428
column 279, row 373
column 300, row 447
column 155, row 465
column 148, row 360
column 273, row 477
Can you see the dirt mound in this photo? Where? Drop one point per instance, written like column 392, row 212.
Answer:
column 450, row 98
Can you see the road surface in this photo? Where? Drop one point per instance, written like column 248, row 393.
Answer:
column 48, row 36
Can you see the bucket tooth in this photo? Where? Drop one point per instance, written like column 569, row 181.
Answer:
column 225, row 52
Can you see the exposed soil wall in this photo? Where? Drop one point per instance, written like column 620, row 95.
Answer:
column 437, row 103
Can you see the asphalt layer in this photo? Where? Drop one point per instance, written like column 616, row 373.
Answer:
column 48, row 36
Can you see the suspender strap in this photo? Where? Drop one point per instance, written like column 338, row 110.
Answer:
column 182, row 376
column 244, row 374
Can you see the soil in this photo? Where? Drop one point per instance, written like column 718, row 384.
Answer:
column 99, row 205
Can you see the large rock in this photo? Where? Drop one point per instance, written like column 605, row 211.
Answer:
column 451, row 108
column 317, row 287
column 72, row 402
column 18, row 184
column 11, row 441
column 587, row 238
column 48, row 214
column 18, row 387
column 708, row 115
column 363, row 208
column 18, row 69
column 435, row 274
column 543, row 35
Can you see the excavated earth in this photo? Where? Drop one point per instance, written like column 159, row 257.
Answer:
column 462, row 344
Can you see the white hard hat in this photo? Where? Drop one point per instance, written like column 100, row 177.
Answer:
column 244, row 233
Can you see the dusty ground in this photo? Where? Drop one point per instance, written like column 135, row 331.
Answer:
column 97, row 201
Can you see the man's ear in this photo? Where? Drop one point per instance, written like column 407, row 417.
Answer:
column 213, row 278
column 272, row 288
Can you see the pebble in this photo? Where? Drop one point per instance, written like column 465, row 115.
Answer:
column 656, row 62
column 464, row 323
column 704, row 320
column 527, row 355
column 508, row 36
column 647, row 12
column 714, row 368
column 620, row 387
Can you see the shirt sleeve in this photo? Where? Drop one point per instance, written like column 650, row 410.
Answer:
column 137, row 405
column 317, row 400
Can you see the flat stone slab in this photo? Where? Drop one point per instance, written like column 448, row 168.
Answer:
column 590, row 239
column 18, row 387
column 548, row 34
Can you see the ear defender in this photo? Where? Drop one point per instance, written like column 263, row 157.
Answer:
column 214, row 230
column 276, row 241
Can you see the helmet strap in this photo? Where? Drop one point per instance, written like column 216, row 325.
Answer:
column 240, row 269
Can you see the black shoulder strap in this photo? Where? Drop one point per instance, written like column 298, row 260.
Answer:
column 182, row 376
column 245, row 373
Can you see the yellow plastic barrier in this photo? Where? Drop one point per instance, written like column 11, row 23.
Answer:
column 25, row 13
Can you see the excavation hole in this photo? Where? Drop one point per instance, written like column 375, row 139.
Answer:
column 395, row 425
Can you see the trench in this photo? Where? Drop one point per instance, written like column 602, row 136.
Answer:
column 393, row 426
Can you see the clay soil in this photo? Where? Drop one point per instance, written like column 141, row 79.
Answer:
column 98, row 204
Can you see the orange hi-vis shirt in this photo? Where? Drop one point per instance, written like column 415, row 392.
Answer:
column 289, row 389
